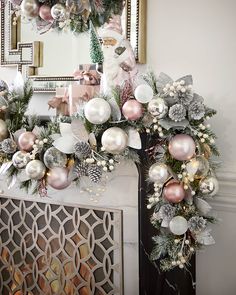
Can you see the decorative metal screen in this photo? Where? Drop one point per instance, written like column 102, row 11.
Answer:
column 48, row 248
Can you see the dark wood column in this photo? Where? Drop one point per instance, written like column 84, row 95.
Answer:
column 152, row 280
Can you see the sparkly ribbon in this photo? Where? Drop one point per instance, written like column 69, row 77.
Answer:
column 87, row 76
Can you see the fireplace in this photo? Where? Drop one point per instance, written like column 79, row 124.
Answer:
column 49, row 248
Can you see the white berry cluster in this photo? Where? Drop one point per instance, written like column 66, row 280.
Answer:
column 37, row 147
column 155, row 127
column 176, row 87
column 155, row 198
column 201, row 133
column 106, row 165
column 181, row 260
column 186, row 178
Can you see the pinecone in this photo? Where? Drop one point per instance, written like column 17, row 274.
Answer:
column 81, row 169
column 94, row 173
column 8, row 146
column 82, row 150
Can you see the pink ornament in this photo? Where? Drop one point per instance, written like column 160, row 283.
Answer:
column 174, row 192
column 26, row 141
column 132, row 110
column 45, row 13
column 182, row 147
column 57, row 178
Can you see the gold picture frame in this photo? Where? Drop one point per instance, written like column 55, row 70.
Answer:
column 28, row 57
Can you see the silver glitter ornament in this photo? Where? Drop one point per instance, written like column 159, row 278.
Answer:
column 158, row 108
column 8, row 146
column 54, row 158
column 58, row 12
column 20, row 159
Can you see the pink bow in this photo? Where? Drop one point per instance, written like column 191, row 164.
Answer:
column 87, row 76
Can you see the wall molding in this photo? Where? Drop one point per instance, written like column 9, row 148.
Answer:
column 225, row 200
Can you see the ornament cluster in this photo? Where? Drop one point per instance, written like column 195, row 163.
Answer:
column 66, row 14
column 107, row 131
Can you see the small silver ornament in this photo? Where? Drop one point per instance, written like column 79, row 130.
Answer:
column 35, row 170
column 54, row 158
column 8, row 146
column 30, row 8
column 158, row 173
column 3, row 130
column 114, row 140
column 209, row 186
column 58, row 11
column 3, row 86
column 158, row 108
column 20, row 159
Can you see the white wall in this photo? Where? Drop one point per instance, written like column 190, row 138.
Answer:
column 197, row 37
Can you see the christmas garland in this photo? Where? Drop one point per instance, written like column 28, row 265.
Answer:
column 106, row 131
column 66, row 14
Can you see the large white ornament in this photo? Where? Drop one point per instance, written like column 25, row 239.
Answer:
column 157, row 107
column 209, row 186
column 97, row 111
column 143, row 93
column 35, row 170
column 30, row 8
column 20, row 159
column 178, row 225
column 114, row 140
column 158, row 173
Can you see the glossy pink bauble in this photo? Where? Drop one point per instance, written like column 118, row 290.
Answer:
column 132, row 110
column 174, row 192
column 182, row 147
column 57, row 178
column 45, row 13
column 26, row 141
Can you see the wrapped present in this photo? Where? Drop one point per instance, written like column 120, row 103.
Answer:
column 87, row 74
column 79, row 94
column 60, row 101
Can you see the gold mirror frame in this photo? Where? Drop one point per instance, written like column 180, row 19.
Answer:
column 13, row 51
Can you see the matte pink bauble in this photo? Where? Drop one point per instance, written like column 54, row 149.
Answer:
column 45, row 13
column 132, row 110
column 57, row 178
column 174, row 192
column 26, row 141
column 182, row 147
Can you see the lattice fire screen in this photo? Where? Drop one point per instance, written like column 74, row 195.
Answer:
column 61, row 249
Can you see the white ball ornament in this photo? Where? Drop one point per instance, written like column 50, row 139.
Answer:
column 58, row 11
column 97, row 111
column 178, row 225
column 143, row 93
column 114, row 140
column 35, row 170
column 158, row 173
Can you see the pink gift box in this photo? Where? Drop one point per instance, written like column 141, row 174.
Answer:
column 60, row 101
column 78, row 94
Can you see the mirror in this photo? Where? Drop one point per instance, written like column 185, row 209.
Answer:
column 49, row 59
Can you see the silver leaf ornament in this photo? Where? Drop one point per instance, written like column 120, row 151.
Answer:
column 205, row 238
column 134, row 140
column 168, row 124
column 115, row 110
column 79, row 130
column 203, row 207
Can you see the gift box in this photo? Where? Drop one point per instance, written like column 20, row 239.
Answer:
column 79, row 94
column 60, row 101
column 87, row 74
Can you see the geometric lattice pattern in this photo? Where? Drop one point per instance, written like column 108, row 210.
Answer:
column 48, row 248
